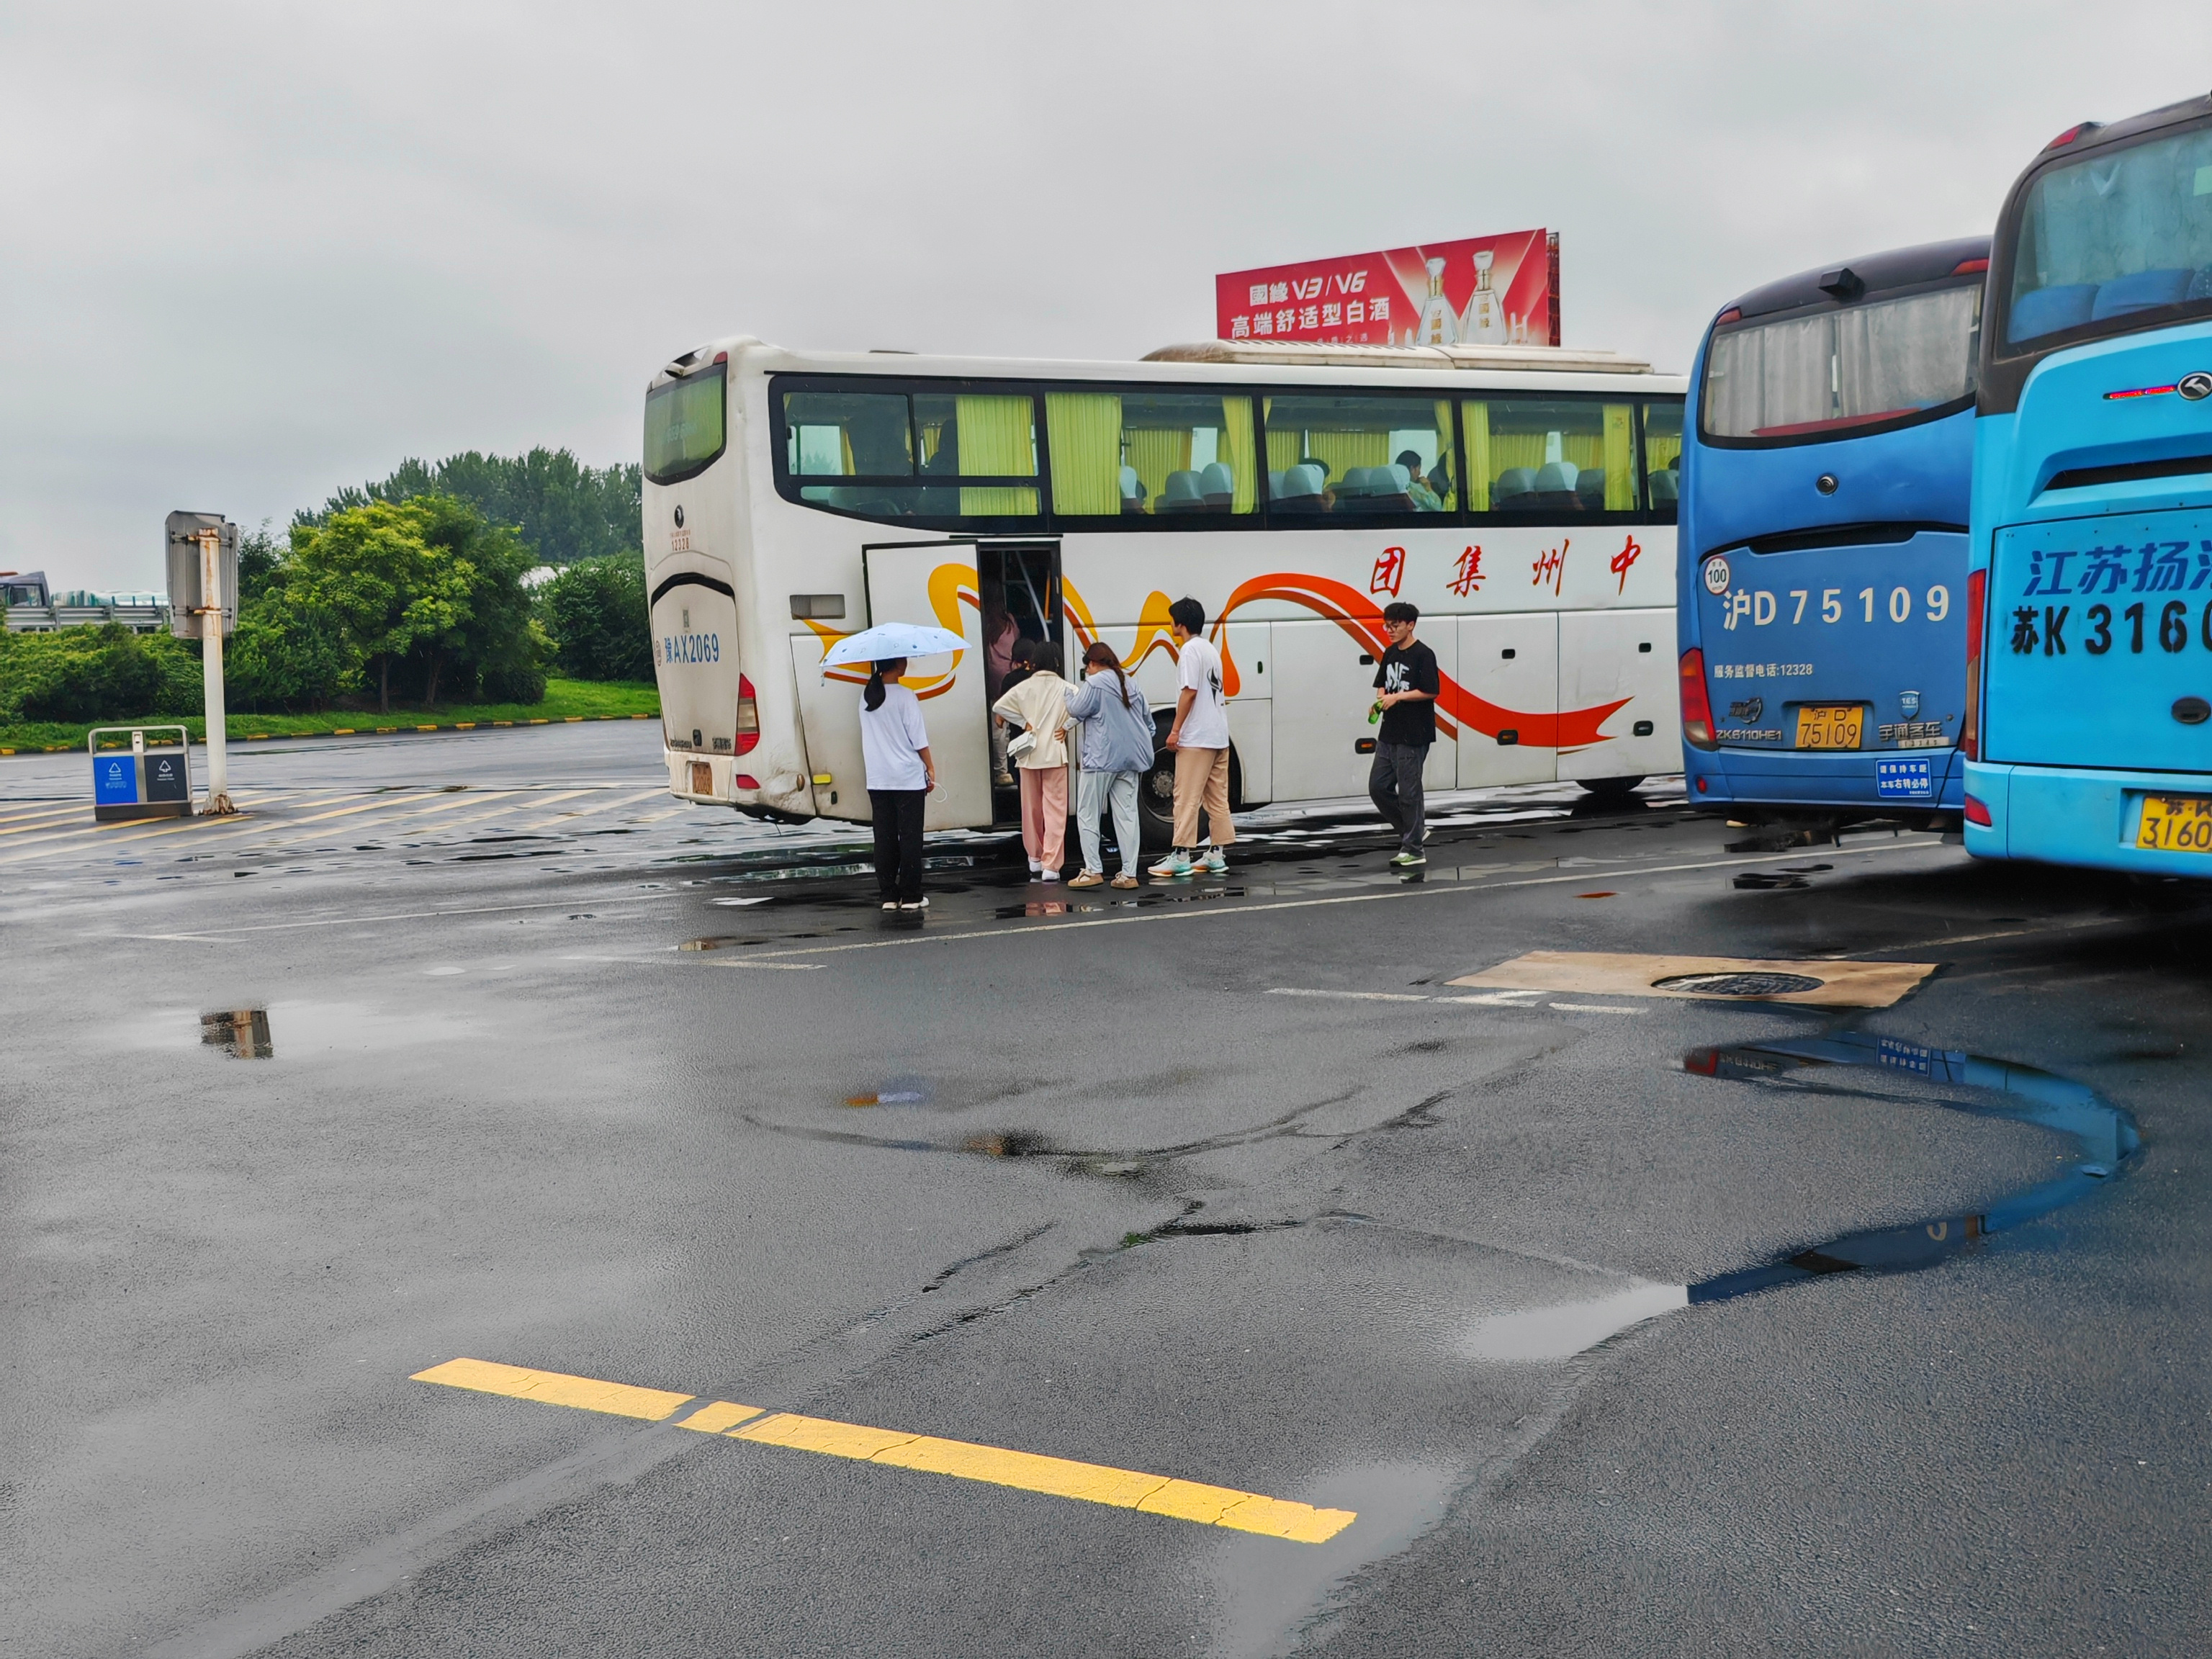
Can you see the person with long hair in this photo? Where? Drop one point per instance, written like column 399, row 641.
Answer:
column 1039, row 703
column 1117, row 751
column 900, row 774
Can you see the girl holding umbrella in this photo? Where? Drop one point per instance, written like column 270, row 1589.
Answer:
column 901, row 772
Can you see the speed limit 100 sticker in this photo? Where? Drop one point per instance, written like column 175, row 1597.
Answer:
column 1717, row 575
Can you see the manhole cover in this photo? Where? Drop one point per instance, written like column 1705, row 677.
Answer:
column 1739, row 984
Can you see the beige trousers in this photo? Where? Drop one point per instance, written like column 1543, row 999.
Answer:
column 1202, row 778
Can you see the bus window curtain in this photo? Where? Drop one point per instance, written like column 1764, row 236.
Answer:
column 1450, row 497
column 1512, row 449
column 1475, row 418
column 845, row 440
column 1619, row 458
column 1284, row 447
column 1342, row 451
column 1084, row 430
column 1661, row 449
column 1236, row 451
column 1155, row 452
column 998, row 436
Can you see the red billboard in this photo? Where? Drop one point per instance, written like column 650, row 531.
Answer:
column 1491, row 290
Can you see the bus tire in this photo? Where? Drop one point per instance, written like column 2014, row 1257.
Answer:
column 1610, row 788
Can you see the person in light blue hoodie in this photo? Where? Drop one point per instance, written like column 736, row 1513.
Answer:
column 1117, row 751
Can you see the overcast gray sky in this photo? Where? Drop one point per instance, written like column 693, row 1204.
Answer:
column 251, row 253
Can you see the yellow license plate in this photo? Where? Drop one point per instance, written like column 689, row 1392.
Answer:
column 1831, row 725
column 2175, row 823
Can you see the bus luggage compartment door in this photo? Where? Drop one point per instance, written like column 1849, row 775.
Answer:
column 1512, row 662
column 935, row 584
column 1605, row 656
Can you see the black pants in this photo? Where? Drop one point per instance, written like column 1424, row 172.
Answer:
column 898, row 842
column 1394, row 786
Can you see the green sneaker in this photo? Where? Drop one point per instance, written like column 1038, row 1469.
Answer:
column 1175, row 864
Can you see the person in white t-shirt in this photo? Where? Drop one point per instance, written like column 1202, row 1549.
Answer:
column 1200, row 739
column 900, row 774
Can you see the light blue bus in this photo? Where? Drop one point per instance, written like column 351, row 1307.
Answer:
column 1822, row 582
column 2089, row 725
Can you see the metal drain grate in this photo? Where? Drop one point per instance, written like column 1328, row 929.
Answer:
column 1739, row 984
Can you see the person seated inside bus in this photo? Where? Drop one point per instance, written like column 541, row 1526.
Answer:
column 1420, row 492
column 1514, row 491
column 1132, row 491
column 1666, row 486
column 944, row 464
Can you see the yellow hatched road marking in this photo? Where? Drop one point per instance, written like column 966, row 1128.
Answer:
column 125, row 830
column 17, row 823
column 560, row 818
column 1056, row 1477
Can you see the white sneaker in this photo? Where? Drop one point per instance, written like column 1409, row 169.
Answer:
column 1047, row 875
column 891, row 904
column 1035, row 867
column 921, row 904
column 1215, row 861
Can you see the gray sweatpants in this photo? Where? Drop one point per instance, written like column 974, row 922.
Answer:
column 1395, row 787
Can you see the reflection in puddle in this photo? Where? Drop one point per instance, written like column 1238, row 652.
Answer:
column 2105, row 1134
column 242, row 1033
column 1010, row 1143
column 1042, row 908
column 1270, row 1597
column 1564, row 1329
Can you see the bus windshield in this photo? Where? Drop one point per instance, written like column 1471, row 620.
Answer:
column 1853, row 366
column 2116, row 232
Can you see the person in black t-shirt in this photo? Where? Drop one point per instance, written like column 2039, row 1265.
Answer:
column 1406, row 677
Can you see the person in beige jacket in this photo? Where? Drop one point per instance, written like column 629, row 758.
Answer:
column 1039, row 703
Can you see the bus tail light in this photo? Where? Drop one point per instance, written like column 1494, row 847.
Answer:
column 748, row 717
column 1977, row 811
column 1697, row 706
column 1970, row 728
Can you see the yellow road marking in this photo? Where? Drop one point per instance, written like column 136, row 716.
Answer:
column 1056, row 1477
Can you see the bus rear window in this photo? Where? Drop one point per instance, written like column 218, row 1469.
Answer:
column 683, row 426
column 1802, row 377
column 2114, row 234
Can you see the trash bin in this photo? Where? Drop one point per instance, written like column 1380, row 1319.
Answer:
column 139, row 782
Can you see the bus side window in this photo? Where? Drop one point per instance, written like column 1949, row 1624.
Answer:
column 1141, row 454
column 1376, row 458
column 1549, row 457
column 1662, row 458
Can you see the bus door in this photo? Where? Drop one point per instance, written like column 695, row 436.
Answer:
column 935, row 584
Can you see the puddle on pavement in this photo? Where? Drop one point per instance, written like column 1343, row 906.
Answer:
column 1009, row 1143
column 1766, row 881
column 1564, row 1329
column 1044, row 908
column 242, row 1033
column 1273, row 1597
column 2105, row 1134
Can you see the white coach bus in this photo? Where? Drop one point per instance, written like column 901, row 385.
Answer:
column 1522, row 497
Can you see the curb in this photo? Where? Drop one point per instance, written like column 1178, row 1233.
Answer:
column 356, row 732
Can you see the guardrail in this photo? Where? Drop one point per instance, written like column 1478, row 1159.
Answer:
column 45, row 618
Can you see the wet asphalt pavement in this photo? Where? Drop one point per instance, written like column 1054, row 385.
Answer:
column 1221, row 1181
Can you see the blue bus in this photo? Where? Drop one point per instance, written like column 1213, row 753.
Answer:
column 1822, row 581
column 2089, row 731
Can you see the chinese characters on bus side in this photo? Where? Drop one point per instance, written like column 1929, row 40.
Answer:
column 1622, row 559
column 2048, row 630
column 2160, row 568
column 1762, row 608
column 1550, row 565
column 1389, row 571
column 1466, row 575
column 2156, row 566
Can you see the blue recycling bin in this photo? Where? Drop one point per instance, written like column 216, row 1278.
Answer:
column 139, row 782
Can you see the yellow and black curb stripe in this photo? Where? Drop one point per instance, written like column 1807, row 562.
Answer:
column 355, row 731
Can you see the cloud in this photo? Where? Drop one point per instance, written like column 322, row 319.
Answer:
column 255, row 253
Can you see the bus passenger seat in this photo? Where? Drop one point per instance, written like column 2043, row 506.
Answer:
column 2050, row 309
column 1589, row 484
column 1514, row 481
column 1275, row 485
column 1218, row 484
column 1666, row 486
column 2144, row 290
column 1301, row 490
column 1356, row 484
column 1181, row 495
column 1133, row 490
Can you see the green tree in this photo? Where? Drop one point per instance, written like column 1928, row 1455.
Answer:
column 595, row 610
column 94, row 673
column 373, row 569
column 563, row 510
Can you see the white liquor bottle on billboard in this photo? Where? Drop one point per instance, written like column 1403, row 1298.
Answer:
column 1437, row 325
column 1485, row 323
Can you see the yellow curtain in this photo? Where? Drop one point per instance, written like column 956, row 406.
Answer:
column 1661, row 449
column 1156, row 452
column 1620, row 450
column 997, row 435
column 1284, row 447
column 1235, row 450
column 845, row 437
column 1084, row 429
column 1475, row 416
column 1444, row 450
column 1584, row 449
column 1341, row 451
column 1511, row 449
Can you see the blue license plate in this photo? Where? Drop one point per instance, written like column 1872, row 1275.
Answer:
column 1903, row 779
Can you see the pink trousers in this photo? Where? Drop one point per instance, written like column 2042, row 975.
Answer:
column 1044, row 814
